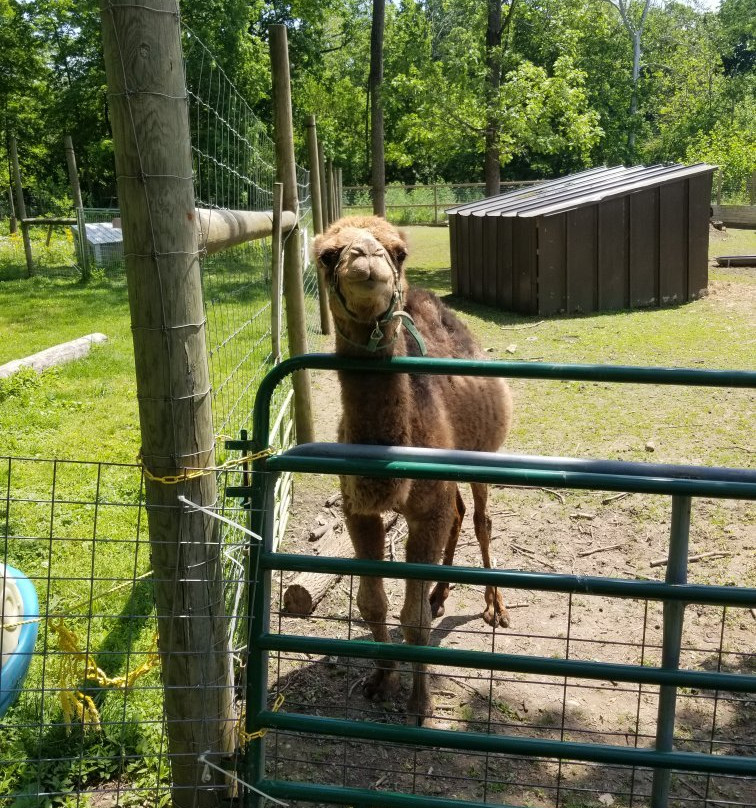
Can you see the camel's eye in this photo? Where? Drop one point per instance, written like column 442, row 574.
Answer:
column 399, row 255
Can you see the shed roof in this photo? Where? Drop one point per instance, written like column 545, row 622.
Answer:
column 102, row 233
column 576, row 190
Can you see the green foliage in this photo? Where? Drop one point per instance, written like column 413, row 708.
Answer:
column 563, row 102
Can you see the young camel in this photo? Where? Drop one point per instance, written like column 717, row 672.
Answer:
column 375, row 315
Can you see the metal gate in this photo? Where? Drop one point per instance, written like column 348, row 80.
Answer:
column 681, row 483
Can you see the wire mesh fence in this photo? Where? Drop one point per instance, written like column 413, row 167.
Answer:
column 88, row 726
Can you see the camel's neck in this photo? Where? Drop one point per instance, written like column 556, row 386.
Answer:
column 375, row 406
column 377, row 340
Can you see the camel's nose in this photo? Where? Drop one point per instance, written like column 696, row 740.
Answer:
column 368, row 260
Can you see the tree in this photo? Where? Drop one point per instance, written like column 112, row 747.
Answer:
column 633, row 16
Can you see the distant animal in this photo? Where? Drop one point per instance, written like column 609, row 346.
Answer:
column 376, row 315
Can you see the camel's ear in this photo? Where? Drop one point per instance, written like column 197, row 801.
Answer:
column 399, row 253
column 327, row 257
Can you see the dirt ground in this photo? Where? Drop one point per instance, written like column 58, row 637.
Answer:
column 582, row 533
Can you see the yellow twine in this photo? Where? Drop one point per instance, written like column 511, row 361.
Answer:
column 193, row 474
column 244, row 736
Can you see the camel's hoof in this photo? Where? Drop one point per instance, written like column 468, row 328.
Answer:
column 437, row 599
column 381, row 684
column 496, row 617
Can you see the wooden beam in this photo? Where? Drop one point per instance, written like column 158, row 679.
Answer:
column 58, row 220
column 220, row 229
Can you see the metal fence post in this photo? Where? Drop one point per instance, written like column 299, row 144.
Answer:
column 677, row 573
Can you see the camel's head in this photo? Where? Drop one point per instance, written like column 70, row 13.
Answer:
column 362, row 259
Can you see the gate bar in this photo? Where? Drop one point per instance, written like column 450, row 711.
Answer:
column 672, row 628
column 509, row 744
column 710, row 595
column 515, row 663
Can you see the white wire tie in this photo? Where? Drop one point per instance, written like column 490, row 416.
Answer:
column 219, row 517
column 206, row 779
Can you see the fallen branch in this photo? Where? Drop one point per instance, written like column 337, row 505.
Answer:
column 526, row 551
column 615, row 497
column 661, row 562
column 600, row 550
column 556, row 494
column 522, row 325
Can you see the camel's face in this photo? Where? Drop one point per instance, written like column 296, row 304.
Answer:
column 363, row 264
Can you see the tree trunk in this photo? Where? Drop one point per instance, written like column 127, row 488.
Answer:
column 376, row 108
column 492, row 165
column 148, row 112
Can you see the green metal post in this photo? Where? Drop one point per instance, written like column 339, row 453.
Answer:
column 261, row 522
column 677, row 573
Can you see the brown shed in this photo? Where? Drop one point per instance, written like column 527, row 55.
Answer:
column 600, row 240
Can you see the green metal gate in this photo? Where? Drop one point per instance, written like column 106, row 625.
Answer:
column 682, row 483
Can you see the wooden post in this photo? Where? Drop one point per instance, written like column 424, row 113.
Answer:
column 276, row 275
column 12, row 223
column 21, row 206
column 339, row 192
column 329, row 190
column 317, row 218
column 719, row 185
column 73, row 176
column 327, row 221
column 435, row 203
column 312, row 153
column 149, row 118
column 287, row 174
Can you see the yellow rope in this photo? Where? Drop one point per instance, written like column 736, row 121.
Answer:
column 193, row 474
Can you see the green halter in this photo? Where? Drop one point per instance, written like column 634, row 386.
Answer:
column 393, row 312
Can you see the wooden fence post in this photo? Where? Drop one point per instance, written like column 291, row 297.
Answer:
column 329, row 190
column 286, row 173
column 317, row 217
column 327, row 221
column 339, row 192
column 73, row 178
column 149, row 117
column 276, row 275
column 12, row 223
column 21, row 206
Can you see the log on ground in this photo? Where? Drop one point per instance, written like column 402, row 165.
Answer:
column 50, row 357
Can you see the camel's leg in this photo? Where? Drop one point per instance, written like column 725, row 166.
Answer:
column 428, row 533
column 368, row 537
column 441, row 591
column 495, row 612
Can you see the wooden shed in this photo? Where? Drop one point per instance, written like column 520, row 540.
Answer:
column 600, row 240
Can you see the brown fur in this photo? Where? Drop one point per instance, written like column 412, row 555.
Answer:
column 361, row 258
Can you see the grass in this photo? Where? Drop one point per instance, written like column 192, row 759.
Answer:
column 68, row 524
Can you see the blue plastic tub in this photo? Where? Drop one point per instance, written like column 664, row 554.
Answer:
column 20, row 605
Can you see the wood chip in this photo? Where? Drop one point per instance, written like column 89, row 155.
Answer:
column 581, row 515
column 556, row 494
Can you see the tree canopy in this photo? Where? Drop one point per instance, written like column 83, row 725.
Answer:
column 545, row 86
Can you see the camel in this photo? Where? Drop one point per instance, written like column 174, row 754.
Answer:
column 376, row 315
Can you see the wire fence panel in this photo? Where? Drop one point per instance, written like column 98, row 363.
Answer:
column 88, row 722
